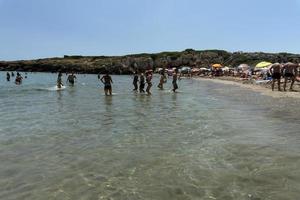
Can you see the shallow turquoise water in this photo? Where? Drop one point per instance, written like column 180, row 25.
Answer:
column 209, row 141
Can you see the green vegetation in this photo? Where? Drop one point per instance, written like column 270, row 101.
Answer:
column 129, row 63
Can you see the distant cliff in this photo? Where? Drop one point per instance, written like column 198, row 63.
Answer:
column 129, row 63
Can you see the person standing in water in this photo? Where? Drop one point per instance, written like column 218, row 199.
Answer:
column 276, row 75
column 289, row 72
column 12, row 74
column 142, row 83
column 174, row 82
column 162, row 80
column 59, row 80
column 107, row 81
column 149, row 83
column 71, row 78
column 19, row 79
column 135, row 81
column 7, row 76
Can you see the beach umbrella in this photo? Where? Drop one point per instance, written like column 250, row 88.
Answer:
column 225, row 68
column 203, row 69
column 243, row 67
column 216, row 65
column 263, row 64
column 196, row 70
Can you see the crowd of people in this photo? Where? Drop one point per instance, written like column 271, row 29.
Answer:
column 139, row 82
column 288, row 71
column 18, row 79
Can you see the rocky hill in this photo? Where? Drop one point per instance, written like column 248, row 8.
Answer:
column 129, row 63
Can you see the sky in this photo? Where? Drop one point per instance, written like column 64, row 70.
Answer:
column 31, row 29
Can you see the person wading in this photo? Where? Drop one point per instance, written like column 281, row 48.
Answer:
column 276, row 75
column 107, row 81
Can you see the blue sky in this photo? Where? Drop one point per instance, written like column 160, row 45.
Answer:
column 49, row 28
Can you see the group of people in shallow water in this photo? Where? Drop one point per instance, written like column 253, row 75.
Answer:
column 18, row 79
column 71, row 79
column 139, row 81
column 140, row 78
column 288, row 71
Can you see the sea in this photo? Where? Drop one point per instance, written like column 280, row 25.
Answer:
column 208, row 141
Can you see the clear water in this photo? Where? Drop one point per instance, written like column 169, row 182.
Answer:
column 209, row 141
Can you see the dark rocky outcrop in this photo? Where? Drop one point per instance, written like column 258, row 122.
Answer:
column 128, row 64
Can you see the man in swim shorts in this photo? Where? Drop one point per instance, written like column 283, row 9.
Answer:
column 107, row 81
column 289, row 73
column 71, row 78
column 276, row 75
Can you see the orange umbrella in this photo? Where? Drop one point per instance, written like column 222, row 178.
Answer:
column 217, row 66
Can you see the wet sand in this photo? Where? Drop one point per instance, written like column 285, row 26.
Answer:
column 264, row 88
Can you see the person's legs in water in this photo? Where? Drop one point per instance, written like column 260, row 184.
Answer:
column 110, row 91
column 148, row 88
column 142, row 88
column 175, row 87
column 279, row 87
column 285, row 81
column 293, row 81
column 106, row 90
column 273, row 84
column 135, row 86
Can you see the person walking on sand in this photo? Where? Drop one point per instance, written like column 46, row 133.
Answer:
column 289, row 73
column 107, row 81
column 142, row 83
column 174, row 82
column 162, row 80
column 71, row 79
column 149, row 83
column 7, row 76
column 59, row 80
column 135, row 81
column 276, row 75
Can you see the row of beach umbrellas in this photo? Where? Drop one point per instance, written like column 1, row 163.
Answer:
column 244, row 67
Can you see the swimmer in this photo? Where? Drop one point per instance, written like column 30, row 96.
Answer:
column 71, row 78
column 107, row 81
column 59, row 80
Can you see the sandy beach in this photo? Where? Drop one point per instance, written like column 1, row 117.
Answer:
column 264, row 88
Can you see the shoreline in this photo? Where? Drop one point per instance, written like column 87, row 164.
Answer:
column 264, row 89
